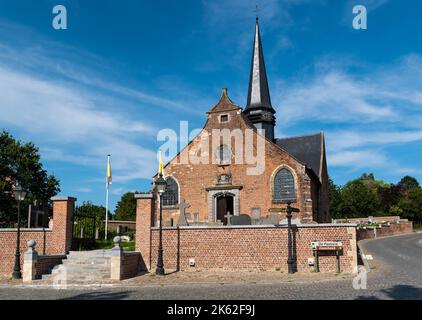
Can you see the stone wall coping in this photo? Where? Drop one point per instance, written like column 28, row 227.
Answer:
column 120, row 221
column 131, row 253
column 52, row 256
column 26, row 230
column 262, row 226
column 144, row 195
column 63, row 198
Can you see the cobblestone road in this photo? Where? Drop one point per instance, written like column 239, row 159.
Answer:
column 396, row 273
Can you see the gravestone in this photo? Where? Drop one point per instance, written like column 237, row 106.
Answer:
column 294, row 221
column 241, row 220
column 229, row 218
column 270, row 219
column 182, row 213
column 256, row 213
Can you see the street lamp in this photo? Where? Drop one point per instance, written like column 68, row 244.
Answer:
column 160, row 185
column 290, row 210
column 19, row 194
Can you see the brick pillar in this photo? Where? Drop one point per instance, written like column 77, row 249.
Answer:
column 145, row 204
column 63, row 209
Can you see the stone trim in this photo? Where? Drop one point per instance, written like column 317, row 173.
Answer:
column 144, row 196
column 263, row 226
column 65, row 198
column 212, row 201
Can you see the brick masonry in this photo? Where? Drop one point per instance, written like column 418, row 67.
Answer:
column 197, row 180
column 54, row 241
column 384, row 230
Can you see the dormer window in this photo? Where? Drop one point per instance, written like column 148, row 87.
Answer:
column 224, row 118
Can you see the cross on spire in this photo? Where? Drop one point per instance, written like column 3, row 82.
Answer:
column 257, row 11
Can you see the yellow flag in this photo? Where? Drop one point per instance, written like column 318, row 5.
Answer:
column 109, row 179
column 160, row 164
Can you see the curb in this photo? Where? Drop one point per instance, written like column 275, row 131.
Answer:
column 363, row 257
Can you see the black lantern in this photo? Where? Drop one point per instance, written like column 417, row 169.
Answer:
column 19, row 194
column 160, row 185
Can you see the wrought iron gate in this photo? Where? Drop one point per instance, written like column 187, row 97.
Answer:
column 84, row 228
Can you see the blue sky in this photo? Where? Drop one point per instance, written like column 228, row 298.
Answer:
column 124, row 70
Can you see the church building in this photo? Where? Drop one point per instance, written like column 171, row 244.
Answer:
column 217, row 191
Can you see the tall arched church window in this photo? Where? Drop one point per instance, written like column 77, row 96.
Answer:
column 284, row 185
column 171, row 196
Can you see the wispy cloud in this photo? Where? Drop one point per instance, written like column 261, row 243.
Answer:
column 364, row 113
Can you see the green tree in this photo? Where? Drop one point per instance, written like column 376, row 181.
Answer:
column 126, row 207
column 334, row 194
column 359, row 200
column 20, row 162
column 411, row 205
column 407, row 183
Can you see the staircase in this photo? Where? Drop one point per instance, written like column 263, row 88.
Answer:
column 81, row 267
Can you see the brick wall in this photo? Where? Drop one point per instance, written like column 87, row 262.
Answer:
column 252, row 247
column 403, row 227
column 255, row 191
column 56, row 240
column 45, row 264
column 130, row 264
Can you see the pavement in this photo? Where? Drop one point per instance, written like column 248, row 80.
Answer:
column 394, row 273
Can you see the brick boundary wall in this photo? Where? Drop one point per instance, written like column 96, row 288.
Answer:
column 130, row 264
column 247, row 247
column 54, row 241
column 384, row 230
column 369, row 219
column 257, row 247
column 45, row 264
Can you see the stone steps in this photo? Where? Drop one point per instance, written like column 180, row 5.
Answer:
column 81, row 267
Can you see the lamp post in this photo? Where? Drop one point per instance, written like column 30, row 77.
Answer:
column 19, row 194
column 290, row 260
column 160, row 185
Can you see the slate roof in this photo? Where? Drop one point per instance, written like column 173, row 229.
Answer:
column 307, row 149
column 258, row 91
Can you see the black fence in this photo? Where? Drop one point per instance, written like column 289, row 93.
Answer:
column 84, row 229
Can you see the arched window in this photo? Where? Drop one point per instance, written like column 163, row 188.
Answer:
column 224, row 154
column 284, row 185
column 171, row 196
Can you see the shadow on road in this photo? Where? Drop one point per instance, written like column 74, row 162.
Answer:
column 100, row 296
column 397, row 292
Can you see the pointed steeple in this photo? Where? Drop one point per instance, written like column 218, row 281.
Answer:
column 258, row 107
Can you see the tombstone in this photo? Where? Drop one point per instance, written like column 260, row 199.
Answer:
column 294, row 221
column 256, row 213
column 229, row 217
column 182, row 213
column 241, row 220
column 270, row 219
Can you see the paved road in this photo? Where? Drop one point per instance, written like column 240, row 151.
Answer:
column 396, row 274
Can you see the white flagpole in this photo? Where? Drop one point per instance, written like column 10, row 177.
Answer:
column 106, row 213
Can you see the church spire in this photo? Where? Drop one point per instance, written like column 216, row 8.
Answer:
column 258, row 107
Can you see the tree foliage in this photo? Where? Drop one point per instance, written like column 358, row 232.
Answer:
column 367, row 196
column 20, row 162
column 126, row 207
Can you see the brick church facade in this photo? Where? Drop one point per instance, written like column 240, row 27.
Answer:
column 294, row 169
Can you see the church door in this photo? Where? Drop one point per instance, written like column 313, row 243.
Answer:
column 224, row 205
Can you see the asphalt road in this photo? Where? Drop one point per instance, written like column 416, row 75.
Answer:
column 396, row 274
